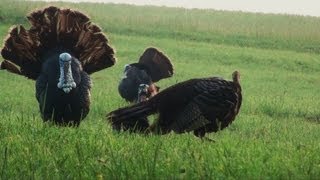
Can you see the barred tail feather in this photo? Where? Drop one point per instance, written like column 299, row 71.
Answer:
column 20, row 51
column 10, row 67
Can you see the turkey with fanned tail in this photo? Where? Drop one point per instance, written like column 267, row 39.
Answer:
column 200, row 105
column 152, row 66
column 59, row 51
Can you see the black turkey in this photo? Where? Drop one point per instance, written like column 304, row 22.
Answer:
column 140, row 124
column 59, row 51
column 153, row 66
column 199, row 105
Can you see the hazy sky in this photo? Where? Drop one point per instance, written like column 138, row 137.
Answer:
column 302, row 7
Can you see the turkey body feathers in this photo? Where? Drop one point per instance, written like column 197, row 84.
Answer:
column 134, row 75
column 54, row 103
column 206, row 104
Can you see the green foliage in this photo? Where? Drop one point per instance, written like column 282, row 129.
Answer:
column 276, row 134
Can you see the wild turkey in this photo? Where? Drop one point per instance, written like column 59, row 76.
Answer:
column 59, row 51
column 153, row 66
column 199, row 105
column 140, row 124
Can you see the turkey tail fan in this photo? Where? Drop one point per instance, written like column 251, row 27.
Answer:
column 159, row 64
column 131, row 113
column 20, row 52
column 74, row 31
column 52, row 27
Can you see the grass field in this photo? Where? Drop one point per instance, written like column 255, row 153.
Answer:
column 275, row 136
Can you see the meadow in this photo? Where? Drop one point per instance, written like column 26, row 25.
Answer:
column 275, row 136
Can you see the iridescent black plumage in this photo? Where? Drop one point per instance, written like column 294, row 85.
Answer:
column 153, row 66
column 198, row 105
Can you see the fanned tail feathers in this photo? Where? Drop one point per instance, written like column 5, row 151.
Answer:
column 53, row 27
column 158, row 63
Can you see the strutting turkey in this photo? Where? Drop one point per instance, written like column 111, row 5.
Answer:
column 59, row 50
column 199, row 105
column 152, row 66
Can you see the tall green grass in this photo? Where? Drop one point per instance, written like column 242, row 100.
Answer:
column 276, row 134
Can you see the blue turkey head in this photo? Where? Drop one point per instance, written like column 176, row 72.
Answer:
column 126, row 67
column 143, row 92
column 66, row 82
